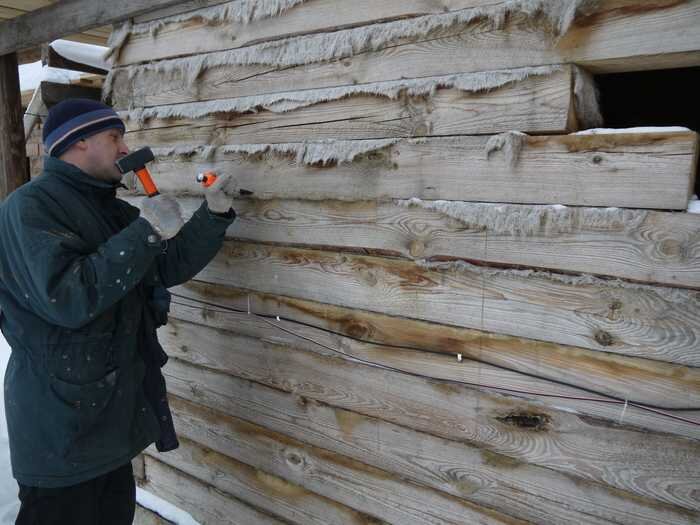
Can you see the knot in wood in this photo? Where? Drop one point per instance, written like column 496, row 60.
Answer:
column 527, row 420
column 604, row 338
column 416, row 248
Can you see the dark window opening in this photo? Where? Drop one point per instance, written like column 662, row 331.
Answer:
column 667, row 97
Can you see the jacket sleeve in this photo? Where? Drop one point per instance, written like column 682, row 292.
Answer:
column 59, row 276
column 194, row 246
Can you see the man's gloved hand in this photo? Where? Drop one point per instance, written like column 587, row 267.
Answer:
column 220, row 194
column 164, row 214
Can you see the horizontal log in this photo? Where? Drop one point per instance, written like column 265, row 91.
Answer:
column 661, row 248
column 194, row 35
column 531, row 493
column 622, row 36
column 585, row 448
column 287, row 501
column 489, row 359
column 538, row 104
column 373, row 492
column 629, row 170
column 204, row 503
column 643, row 321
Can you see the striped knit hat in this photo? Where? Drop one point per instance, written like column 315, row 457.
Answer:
column 75, row 119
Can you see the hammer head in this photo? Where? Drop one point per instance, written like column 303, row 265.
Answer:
column 135, row 161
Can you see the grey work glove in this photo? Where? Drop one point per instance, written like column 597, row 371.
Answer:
column 164, row 214
column 220, row 194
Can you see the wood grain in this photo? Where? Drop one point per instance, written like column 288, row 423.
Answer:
column 412, row 345
column 287, row 501
column 204, row 503
column 462, row 470
column 14, row 170
column 629, row 170
column 584, row 447
column 664, row 248
column 651, row 322
column 542, row 104
column 623, row 36
column 373, row 492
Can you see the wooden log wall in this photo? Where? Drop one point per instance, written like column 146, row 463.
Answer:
column 442, row 300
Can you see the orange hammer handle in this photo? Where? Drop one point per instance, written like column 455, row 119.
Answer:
column 148, row 184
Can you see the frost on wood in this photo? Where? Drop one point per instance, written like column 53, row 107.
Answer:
column 510, row 143
column 309, row 153
column 240, row 11
column 335, row 45
column 613, row 131
column 283, row 102
column 532, row 220
column 678, row 296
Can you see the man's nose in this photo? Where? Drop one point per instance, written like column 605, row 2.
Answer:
column 123, row 148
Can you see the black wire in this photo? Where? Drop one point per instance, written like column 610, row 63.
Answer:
column 609, row 397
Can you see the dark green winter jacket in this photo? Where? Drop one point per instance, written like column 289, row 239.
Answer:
column 80, row 278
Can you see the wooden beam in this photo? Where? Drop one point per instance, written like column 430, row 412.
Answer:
column 66, row 17
column 654, row 322
column 622, row 36
column 627, row 170
column 291, row 502
column 658, row 249
column 14, row 170
column 588, row 448
column 538, row 104
column 144, row 516
column 52, row 93
column 492, row 359
column 51, row 58
column 371, row 492
column 483, row 477
column 202, row 501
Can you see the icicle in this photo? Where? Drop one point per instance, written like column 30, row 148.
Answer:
column 345, row 43
column 529, row 220
column 309, row 153
column 283, row 102
column 670, row 295
column 510, row 142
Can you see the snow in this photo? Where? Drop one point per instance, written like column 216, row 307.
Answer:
column 88, row 54
column 163, row 508
column 649, row 129
column 694, row 205
column 9, row 504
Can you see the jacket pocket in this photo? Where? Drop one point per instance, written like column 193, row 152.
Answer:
column 81, row 405
column 81, row 359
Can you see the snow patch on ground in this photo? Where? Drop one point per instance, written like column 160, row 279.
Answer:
column 694, row 205
column 9, row 504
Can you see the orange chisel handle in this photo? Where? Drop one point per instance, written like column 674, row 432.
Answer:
column 148, row 184
column 207, row 178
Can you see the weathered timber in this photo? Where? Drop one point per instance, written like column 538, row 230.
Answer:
column 70, row 16
column 145, row 516
column 14, row 170
column 490, row 359
column 477, row 475
column 139, row 468
column 662, row 248
column 198, row 36
column 643, row 321
column 363, row 487
column 52, row 92
column 621, row 37
column 582, row 447
column 629, row 170
column 539, row 104
column 51, row 58
column 287, row 501
column 204, row 503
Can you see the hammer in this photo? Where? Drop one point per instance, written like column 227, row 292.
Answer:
column 136, row 162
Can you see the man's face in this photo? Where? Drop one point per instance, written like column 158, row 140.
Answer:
column 102, row 150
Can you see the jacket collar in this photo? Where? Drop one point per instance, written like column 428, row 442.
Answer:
column 78, row 178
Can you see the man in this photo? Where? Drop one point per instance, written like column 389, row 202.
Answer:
column 83, row 280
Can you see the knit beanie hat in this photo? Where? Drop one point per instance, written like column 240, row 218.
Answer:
column 74, row 119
